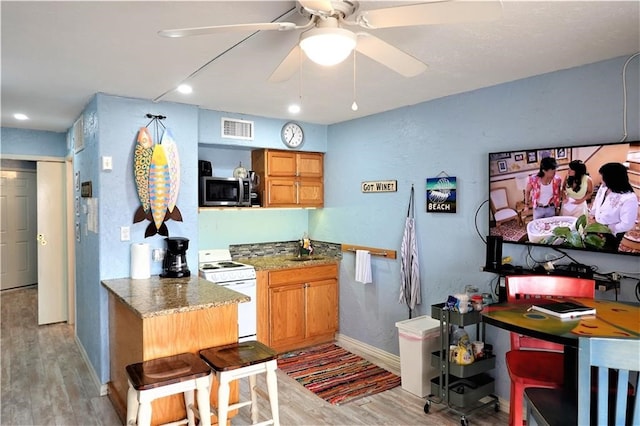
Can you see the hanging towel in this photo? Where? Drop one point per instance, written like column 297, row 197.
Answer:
column 363, row 266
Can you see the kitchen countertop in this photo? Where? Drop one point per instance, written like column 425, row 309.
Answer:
column 266, row 263
column 165, row 296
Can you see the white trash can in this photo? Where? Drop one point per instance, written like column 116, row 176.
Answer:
column 418, row 337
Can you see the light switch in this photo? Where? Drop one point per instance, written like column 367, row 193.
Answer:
column 125, row 234
column 107, row 163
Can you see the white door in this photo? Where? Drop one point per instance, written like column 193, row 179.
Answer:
column 19, row 264
column 52, row 246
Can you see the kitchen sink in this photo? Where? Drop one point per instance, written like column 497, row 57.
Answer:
column 305, row 258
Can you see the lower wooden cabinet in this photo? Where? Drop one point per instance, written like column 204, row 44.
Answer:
column 298, row 307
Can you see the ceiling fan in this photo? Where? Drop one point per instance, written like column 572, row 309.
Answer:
column 325, row 40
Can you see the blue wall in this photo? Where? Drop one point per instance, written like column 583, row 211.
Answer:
column 221, row 228
column 266, row 132
column 451, row 135
column 32, row 143
column 454, row 135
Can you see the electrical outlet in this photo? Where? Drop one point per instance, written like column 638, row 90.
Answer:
column 125, row 233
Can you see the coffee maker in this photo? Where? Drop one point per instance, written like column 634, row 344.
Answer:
column 175, row 259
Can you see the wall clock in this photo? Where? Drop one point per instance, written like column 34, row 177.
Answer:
column 292, row 135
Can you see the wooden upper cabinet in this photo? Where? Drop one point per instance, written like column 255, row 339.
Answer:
column 288, row 178
column 310, row 164
column 281, row 163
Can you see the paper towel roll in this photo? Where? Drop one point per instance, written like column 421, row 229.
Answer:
column 140, row 261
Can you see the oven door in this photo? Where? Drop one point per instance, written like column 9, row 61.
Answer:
column 247, row 311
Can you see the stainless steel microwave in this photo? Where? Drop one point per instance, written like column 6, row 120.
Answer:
column 224, row 192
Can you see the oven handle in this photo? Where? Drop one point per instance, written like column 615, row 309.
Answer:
column 242, row 284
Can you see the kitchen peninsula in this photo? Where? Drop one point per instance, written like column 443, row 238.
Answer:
column 157, row 317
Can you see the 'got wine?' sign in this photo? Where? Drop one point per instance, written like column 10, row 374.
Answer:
column 380, row 186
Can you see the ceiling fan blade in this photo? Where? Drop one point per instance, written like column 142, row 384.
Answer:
column 389, row 56
column 288, row 66
column 317, row 5
column 195, row 31
column 446, row 12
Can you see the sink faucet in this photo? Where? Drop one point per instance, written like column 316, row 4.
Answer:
column 304, row 246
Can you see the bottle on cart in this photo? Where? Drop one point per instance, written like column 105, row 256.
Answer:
column 463, row 352
column 458, row 336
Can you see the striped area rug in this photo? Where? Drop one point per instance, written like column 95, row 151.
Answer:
column 336, row 375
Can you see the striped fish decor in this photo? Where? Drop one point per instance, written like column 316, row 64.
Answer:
column 156, row 170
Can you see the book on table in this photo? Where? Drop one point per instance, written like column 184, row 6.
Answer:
column 564, row 309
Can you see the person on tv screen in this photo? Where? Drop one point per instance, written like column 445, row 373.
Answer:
column 543, row 190
column 615, row 205
column 577, row 187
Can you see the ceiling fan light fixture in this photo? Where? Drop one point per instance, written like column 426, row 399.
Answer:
column 328, row 46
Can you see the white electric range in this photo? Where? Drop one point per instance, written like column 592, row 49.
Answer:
column 216, row 266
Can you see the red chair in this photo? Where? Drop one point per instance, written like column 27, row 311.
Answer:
column 535, row 362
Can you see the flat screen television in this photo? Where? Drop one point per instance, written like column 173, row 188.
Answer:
column 508, row 177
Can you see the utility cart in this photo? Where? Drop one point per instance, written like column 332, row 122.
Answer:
column 460, row 387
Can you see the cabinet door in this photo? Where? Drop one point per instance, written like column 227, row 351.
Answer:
column 281, row 163
column 310, row 193
column 310, row 164
column 321, row 307
column 281, row 192
column 286, row 314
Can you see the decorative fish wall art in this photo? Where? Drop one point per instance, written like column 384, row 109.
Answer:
column 156, row 169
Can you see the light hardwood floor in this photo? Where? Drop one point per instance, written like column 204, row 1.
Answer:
column 45, row 381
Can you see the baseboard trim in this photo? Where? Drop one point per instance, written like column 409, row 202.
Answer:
column 387, row 360
column 103, row 390
column 377, row 356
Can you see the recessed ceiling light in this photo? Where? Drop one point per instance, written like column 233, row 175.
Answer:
column 294, row 109
column 20, row 116
column 185, row 89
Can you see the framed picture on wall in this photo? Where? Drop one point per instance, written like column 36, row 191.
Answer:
column 532, row 157
column 78, row 135
column 499, row 155
column 546, row 153
column 561, row 153
column 518, row 157
column 502, row 166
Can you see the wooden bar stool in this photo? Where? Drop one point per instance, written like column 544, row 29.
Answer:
column 244, row 359
column 157, row 378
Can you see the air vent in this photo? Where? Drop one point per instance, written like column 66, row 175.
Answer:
column 237, row 129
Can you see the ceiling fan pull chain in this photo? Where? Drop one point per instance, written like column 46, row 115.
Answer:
column 300, row 77
column 354, row 105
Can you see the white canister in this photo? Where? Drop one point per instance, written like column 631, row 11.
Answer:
column 478, row 349
column 463, row 303
column 140, row 261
